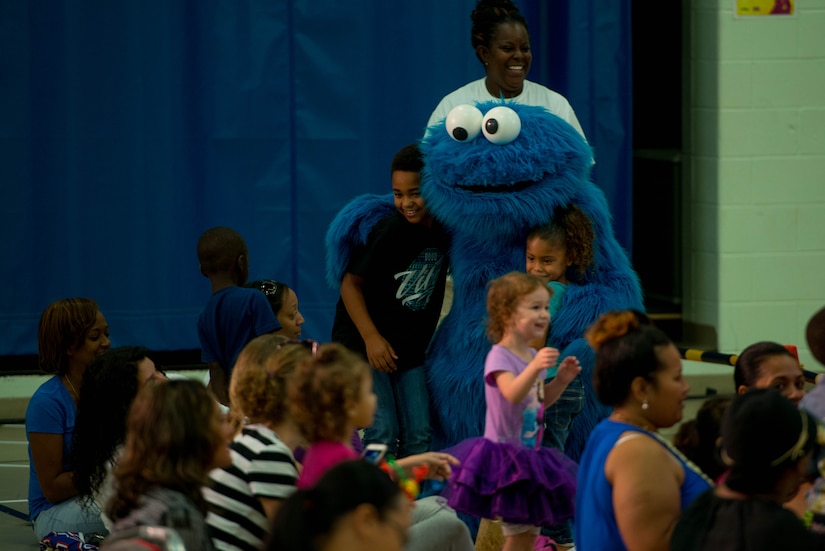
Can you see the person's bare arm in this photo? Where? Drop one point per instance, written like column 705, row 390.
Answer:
column 218, row 383
column 47, row 456
column 380, row 353
column 646, row 484
column 270, row 506
column 514, row 388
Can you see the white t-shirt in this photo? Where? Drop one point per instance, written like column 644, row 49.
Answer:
column 531, row 94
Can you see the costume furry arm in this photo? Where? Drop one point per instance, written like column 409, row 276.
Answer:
column 350, row 228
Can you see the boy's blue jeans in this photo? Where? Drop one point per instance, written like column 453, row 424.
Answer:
column 558, row 419
column 402, row 418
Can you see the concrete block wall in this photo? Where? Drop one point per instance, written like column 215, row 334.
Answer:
column 756, row 194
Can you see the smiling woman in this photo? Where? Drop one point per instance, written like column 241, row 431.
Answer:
column 501, row 43
column 72, row 334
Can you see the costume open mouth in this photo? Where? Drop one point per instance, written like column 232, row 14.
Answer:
column 500, row 188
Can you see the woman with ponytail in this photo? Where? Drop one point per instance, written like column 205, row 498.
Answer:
column 632, row 484
column 768, row 445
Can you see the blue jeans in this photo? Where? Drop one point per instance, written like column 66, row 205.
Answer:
column 558, row 419
column 402, row 418
column 69, row 516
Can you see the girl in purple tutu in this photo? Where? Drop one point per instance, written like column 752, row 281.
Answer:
column 506, row 474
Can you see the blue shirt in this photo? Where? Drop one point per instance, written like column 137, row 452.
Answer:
column 595, row 526
column 51, row 410
column 232, row 317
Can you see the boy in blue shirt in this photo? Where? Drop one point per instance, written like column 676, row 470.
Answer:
column 233, row 315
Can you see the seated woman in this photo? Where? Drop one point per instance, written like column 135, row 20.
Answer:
column 767, row 443
column 632, row 484
column 243, row 497
column 354, row 506
column 767, row 364
column 284, row 303
column 700, row 438
column 175, row 435
column 110, row 384
column 72, row 333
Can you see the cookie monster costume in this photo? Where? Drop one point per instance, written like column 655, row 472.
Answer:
column 492, row 173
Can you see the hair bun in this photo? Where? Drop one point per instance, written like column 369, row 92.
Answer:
column 498, row 7
column 609, row 326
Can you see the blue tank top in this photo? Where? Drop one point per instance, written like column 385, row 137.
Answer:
column 595, row 526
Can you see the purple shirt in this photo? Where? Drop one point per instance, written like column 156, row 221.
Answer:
column 506, row 422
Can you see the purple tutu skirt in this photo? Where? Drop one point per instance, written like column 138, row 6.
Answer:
column 515, row 483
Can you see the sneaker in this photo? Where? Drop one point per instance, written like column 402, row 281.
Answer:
column 543, row 543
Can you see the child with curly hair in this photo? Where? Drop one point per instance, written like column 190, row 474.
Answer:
column 330, row 396
column 560, row 253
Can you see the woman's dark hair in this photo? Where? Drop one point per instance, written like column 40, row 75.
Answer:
column 625, row 342
column 170, row 443
column 63, row 325
column 274, row 291
column 571, row 229
column 488, row 15
column 698, row 438
column 763, row 435
column 749, row 363
column 308, row 517
column 110, row 384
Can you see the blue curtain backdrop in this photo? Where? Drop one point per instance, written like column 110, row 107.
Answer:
column 128, row 128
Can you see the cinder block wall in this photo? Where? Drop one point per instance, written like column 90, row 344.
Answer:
column 756, row 194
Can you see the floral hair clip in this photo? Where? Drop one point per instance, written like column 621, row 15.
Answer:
column 410, row 486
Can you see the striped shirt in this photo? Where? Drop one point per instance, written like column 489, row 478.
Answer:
column 262, row 467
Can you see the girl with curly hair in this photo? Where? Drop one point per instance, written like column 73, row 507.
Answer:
column 331, row 395
column 245, row 496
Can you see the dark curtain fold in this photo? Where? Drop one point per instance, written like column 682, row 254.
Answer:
column 126, row 129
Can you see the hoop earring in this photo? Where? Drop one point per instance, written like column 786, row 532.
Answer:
column 645, row 405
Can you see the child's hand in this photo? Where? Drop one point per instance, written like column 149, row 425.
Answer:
column 568, row 369
column 380, row 354
column 439, row 463
column 544, row 359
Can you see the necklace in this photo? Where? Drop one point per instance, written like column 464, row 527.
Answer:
column 624, row 419
column 668, row 445
column 71, row 386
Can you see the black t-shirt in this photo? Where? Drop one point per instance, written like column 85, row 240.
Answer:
column 756, row 524
column 404, row 267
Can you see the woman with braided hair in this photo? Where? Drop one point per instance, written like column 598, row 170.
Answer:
column 501, row 43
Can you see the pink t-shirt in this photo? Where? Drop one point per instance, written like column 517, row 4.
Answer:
column 321, row 457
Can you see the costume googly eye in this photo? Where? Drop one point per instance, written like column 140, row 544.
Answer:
column 464, row 122
column 501, row 125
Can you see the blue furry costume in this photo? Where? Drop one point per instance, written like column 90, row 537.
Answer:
column 489, row 197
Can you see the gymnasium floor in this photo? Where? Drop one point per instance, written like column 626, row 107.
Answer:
column 14, row 479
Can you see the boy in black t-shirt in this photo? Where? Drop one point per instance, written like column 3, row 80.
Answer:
column 390, row 302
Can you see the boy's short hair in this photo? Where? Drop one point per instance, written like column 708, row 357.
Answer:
column 408, row 159
column 218, row 249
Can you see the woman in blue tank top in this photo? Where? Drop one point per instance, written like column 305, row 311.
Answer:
column 632, row 484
